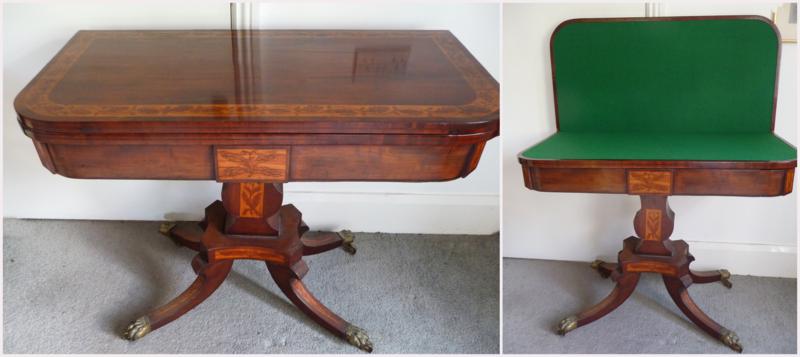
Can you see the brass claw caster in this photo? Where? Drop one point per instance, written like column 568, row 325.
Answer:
column 596, row 266
column 347, row 241
column 137, row 329
column 725, row 278
column 730, row 339
column 566, row 325
column 358, row 337
column 167, row 227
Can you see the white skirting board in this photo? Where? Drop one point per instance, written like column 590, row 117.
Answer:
column 429, row 213
column 416, row 213
column 754, row 259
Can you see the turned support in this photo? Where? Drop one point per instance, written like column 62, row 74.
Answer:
column 251, row 207
column 653, row 224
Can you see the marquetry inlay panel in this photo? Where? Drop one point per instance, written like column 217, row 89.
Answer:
column 642, row 182
column 251, row 200
column 266, row 165
column 652, row 224
column 651, row 267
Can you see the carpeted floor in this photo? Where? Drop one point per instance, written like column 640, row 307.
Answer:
column 71, row 286
column 539, row 293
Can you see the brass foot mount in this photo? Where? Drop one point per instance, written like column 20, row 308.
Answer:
column 730, row 339
column 137, row 329
column 597, row 265
column 166, row 227
column 347, row 241
column 566, row 325
column 358, row 337
column 725, row 278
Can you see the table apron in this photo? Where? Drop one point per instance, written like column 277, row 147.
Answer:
column 659, row 181
column 264, row 163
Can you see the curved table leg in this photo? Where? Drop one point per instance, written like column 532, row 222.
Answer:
column 209, row 278
column 702, row 277
column 320, row 242
column 289, row 280
column 680, row 295
column 626, row 283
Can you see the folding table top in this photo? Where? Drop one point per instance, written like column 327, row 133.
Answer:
column 263, row 105
column 266, row 81
column 662, row 89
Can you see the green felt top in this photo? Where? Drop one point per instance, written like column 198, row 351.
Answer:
column 677, row 89
column 662, row 146
column 711, row 75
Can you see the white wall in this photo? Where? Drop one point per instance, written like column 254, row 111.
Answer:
column 755, row 236
column 33, row 33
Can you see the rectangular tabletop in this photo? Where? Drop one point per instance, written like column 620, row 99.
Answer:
column 271, row 105
column 271, row 80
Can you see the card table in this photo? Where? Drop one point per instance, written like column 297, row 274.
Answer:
column 254, row 110
column 656, row 107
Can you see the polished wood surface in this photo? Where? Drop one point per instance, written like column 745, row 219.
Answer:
column 260, row 76
column 130, row 104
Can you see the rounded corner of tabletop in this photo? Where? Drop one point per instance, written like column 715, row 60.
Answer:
column 261, row 105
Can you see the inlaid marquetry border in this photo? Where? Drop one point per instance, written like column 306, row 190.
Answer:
column 484, row 103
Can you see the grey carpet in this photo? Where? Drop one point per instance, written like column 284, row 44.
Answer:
column 539, row 293
column 71, row 286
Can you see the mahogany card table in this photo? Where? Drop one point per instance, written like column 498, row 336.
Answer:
column 656, row 107
column 254, row 110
